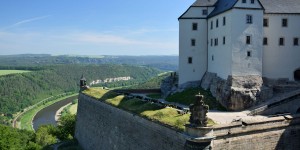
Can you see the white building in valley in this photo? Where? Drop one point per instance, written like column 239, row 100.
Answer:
column 240, row 38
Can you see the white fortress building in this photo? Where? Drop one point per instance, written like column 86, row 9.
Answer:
column 240, row 38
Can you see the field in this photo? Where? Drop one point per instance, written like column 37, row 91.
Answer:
column 6, row 72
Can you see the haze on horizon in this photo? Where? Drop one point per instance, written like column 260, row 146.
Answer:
column 92, row 27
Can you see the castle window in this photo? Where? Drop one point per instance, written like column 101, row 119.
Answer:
column 281, row 41
column 249, row 19
column 243, row 1
column 217, row 23
column 248, row 39
column 248, row 53
column 216, row 41
column 265, row 42
column 252, row 1
column 296, row 41
column 204, row 12
column 193, row 42
column 212, row 58
column 224, row 21
column 211, row 25
column 284, row 22
column 224, row 40
column 211, row 42
column 190, row 60
column 195, row 26
column 266, row 22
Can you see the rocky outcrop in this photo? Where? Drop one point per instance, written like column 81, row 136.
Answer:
column 169, row 85
column 237, row 92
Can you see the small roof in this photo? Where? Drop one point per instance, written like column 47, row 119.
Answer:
column 82, row 78
column 281, row 6
column 204, row 3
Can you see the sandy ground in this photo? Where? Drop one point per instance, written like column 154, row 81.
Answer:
column 58, row 112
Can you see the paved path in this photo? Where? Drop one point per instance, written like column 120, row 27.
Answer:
column 228, row 117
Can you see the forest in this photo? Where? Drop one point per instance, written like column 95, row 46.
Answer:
column 19, row 91
column 34, row 61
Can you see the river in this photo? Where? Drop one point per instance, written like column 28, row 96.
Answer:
column 47, row 115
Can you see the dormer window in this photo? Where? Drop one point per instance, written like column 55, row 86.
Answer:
column 252, row 1
column 204, row 12
column 243, row 1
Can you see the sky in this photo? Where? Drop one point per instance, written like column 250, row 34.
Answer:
column 90, row 27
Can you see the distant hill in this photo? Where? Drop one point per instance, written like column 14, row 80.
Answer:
column 166, row 63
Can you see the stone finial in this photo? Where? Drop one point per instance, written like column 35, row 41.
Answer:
column 199, row 111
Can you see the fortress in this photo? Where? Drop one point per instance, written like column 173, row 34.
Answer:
column 246, row 52
column 240, row 48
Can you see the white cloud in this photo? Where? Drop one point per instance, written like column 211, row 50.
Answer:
column 79, row 42
column 26, row 21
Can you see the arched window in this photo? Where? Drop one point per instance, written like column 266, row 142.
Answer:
column 297, row 75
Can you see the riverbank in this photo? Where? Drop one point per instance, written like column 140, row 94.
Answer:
column 58, row 112
column 25, row 120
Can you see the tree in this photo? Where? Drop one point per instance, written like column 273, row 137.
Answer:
column 66, row 127
column 45, row 135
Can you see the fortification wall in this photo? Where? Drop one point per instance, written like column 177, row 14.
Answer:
column 101, row 126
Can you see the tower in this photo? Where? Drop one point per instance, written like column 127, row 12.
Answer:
column 82, row 83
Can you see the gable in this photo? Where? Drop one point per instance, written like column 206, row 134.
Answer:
column 248, row 4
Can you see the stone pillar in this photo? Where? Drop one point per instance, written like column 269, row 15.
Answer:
column 198, row 135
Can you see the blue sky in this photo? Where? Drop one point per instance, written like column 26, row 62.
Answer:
column 90, row 27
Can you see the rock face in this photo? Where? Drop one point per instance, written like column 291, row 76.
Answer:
column 237, row 92
column 169, row 85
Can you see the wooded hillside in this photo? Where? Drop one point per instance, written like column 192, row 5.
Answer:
column 19, row 91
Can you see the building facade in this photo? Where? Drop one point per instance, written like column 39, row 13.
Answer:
column 240, row 38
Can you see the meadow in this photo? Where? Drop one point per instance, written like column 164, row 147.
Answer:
column 6, row 72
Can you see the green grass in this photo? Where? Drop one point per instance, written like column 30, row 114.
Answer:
column 187, row 97
column 26, row 118
column 167, row 116
column 73, row 109
column 6, row 72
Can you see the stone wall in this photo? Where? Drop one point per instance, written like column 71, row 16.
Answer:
column 101, row 126
column 281, row 133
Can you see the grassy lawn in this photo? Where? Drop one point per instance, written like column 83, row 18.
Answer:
column 26, row 118
column 6, row 72
column 167, row 116
column 187, row 97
